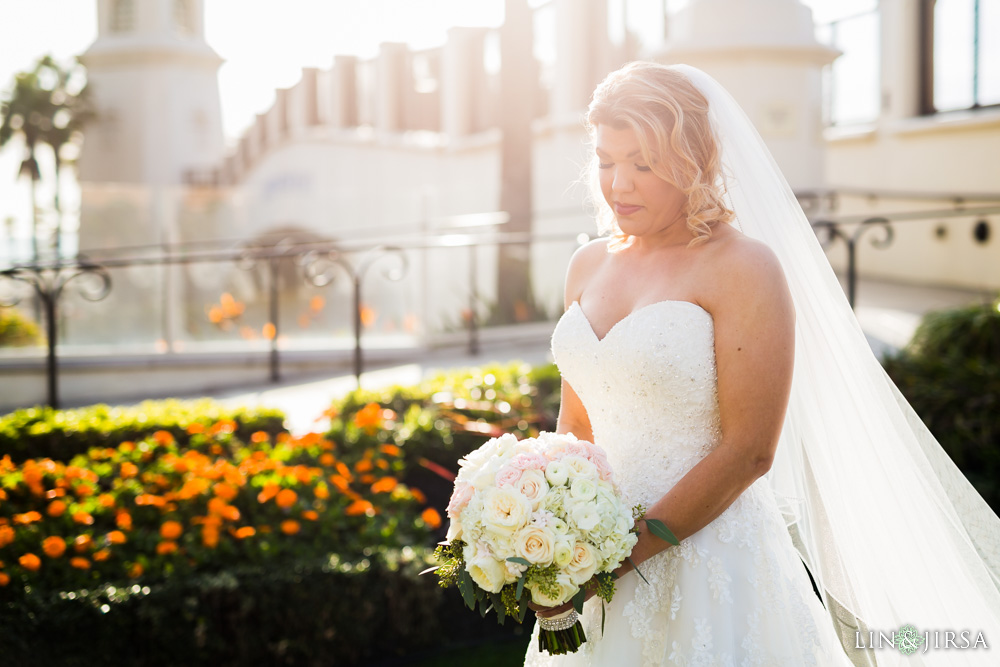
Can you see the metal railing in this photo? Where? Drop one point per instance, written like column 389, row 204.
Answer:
column 318, row 264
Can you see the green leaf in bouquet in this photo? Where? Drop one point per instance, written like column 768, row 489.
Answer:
column 578, row 599
column 520, row 586
column 522, row 612
column 658, row 528
column 467, row 588
column 484, row 606
column 498, row 604
column 636, row 568
column 519, row 561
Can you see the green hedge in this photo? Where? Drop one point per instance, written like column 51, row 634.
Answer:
column 950, row 374
column 18, row 330
column 322, row 612
column 42, row 432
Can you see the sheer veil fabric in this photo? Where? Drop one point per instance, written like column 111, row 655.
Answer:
column 890, row 529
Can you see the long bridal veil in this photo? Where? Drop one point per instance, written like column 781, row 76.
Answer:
column 890, row 529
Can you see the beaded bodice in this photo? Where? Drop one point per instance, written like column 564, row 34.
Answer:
column 649, row 388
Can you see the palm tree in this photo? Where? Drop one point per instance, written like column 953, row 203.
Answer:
column 72, row 111
column 46, row 106
column 27, row 113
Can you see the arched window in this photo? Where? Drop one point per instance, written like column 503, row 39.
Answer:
column 184, row 18
column 122, row 15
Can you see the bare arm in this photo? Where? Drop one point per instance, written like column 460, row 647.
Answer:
column 754, row 351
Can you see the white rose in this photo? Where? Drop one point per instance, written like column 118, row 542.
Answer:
column 533, row 487
column 583, row 489
column 454, row 530
column 483, row 479
column 486, row 571
column 556, row 473
column 535, row 545
column 580, row 467
column 585, row 517
column 563, row 553
column 565, row 590
column 505, row 510
column 583, row 565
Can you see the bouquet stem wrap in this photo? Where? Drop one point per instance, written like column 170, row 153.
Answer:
column 561, row 634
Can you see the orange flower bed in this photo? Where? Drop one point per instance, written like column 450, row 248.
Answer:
column 150, row 508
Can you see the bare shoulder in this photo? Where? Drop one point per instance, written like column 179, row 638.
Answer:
column 747, row 272
column 583, row 265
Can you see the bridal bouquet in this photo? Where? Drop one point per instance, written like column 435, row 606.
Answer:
column 539, row 518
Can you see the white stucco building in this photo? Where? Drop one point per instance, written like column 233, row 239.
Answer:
column 402, row 142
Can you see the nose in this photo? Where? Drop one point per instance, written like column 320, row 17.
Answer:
column 622, row 181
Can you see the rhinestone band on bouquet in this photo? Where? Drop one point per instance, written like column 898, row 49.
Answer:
column 538, row 519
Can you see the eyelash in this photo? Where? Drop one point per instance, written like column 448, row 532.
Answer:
column 601, row 165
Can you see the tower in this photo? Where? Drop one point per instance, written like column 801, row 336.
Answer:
column 154, row 83
column 766, row 55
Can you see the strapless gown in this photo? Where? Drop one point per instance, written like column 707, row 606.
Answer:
column 734, row 593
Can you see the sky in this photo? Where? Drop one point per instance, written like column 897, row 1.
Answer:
column 265, row 45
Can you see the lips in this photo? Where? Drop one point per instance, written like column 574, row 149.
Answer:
column 625, row 209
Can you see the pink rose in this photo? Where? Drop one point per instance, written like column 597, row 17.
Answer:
column 555, row 451
column 460, row 497
column 508, row 475
column 529, row 461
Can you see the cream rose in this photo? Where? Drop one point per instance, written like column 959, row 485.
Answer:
column 505, row 510
column 580, row 467
column 565, row 590
column 488, row 573
column 532, row 486
column 535, row 544
column 583, row 565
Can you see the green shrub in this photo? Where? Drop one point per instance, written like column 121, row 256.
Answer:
column 311, row 612
column 17, row 330
column 950, row 374
column 229, row 604
column 42, row 432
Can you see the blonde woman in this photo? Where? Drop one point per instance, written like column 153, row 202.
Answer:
column 707, row 347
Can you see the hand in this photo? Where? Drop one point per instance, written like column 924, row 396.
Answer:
column 545, row 612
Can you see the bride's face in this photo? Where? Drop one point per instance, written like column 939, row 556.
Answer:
column 643, row 203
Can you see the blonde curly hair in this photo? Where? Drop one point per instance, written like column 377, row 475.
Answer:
column 670, row 118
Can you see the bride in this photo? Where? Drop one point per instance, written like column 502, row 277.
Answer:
column 708, row 348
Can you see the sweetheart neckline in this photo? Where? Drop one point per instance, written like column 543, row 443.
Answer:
column 601, row 339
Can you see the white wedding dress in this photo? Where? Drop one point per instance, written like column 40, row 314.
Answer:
column 735, row 593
